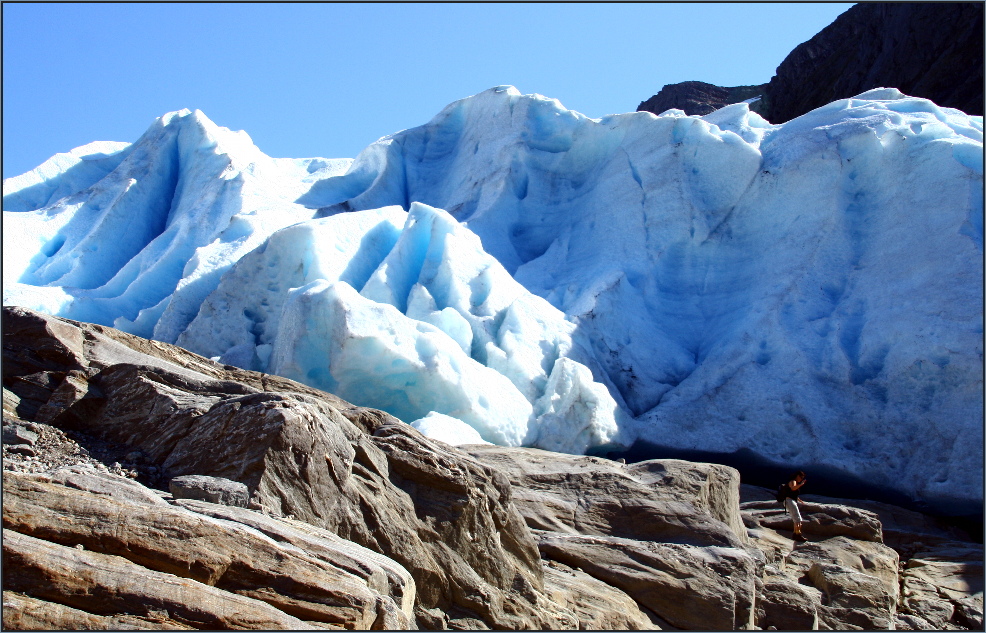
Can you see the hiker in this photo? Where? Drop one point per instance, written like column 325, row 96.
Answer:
column 788, row 495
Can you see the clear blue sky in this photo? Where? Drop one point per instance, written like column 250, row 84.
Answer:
column 328, row 79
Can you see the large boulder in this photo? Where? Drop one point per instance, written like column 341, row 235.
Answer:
column 944, row 585
column 594, row 604
column 787, row 605
column 872, row 559
column 687, row 586
column 668, row 533
column 211, row 489
column 667, row 500
column 851, row 599
column 109, row 585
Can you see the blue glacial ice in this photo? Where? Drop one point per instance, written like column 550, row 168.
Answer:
column 811, row 292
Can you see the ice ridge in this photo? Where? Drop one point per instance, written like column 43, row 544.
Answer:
column 810, row 292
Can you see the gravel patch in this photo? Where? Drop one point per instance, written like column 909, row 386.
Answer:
column 53, row 448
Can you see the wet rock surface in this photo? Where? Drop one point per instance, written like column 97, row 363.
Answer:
column 355, row 520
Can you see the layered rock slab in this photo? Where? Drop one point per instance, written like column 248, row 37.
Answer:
column 926, row 575
column 655, row 544
column 77, row 518
column 305, row 454
column 668, row 533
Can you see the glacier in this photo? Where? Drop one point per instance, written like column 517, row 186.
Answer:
column 517, row 273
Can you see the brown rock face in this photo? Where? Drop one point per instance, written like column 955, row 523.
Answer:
column 162, row 538
column 107, row 585
column 846, row 578
column 358, row 473
column 667, row 533
column 355, row 520
column 658, row 500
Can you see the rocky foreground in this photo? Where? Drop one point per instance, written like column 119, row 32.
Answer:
column 147, row 487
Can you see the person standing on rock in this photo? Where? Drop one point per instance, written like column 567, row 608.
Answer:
column 788, row 495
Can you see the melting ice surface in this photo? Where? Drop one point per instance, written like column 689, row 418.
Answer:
column 517, row 273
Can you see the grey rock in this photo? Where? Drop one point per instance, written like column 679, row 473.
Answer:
column 18, row 434
column 821, row 519
column 657, row 531
column 211, row 489
column 944, row 585
column 104, row 484
column 22, row 449
column 969, row 612
column 787, row 606
column 226, row 555
column 102, row 584
column 910, row 622
column 24, row 613
column 852, row 598
column 687, row 586
column 658, row 500
column 592, row 604
column 380, row 573
column 873, row 559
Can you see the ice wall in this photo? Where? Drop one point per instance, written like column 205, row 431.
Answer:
column 809, row 291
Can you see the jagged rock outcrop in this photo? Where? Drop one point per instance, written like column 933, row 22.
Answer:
column 928, row 50
column 847, row 578
column 698, row 97
column 356, row 520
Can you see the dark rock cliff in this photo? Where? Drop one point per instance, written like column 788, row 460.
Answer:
column 929, row 50
column 698, row 97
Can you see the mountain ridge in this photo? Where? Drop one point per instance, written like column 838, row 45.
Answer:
column 929, row 50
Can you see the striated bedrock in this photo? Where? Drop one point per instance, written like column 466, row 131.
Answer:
column 357, row 473
column 401, row 530
column 710, row 283
column 357, row 520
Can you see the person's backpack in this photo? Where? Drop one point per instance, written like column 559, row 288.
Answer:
column 782, row 493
